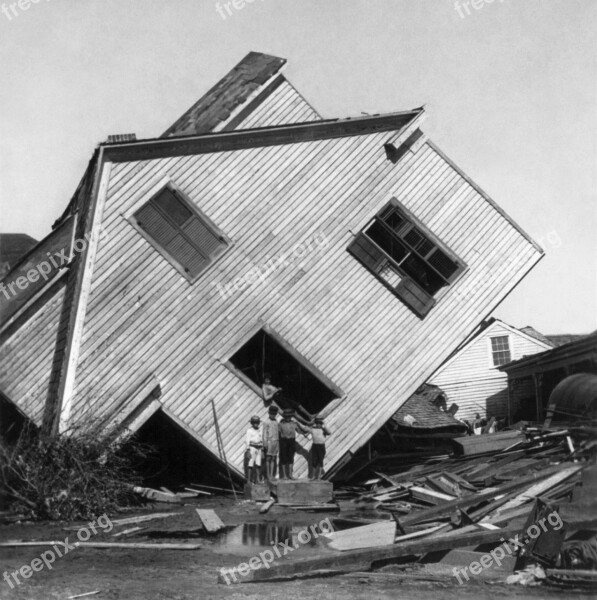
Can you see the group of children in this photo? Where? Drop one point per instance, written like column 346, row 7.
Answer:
column 277, row 439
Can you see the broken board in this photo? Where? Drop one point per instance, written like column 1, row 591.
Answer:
column 303, row 491
column 366, row 536
column 210, row 520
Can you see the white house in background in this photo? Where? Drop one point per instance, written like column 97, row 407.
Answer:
column 470, row 377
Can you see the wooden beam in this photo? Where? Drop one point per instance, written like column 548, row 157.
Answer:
column 448, row 507
column 336, row 563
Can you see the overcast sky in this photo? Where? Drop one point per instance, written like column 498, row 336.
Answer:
column 510, row 92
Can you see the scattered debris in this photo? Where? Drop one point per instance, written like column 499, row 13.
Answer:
column 267, row 505
column 156, row 495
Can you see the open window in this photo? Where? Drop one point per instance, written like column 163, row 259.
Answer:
column 185, row 236
column 304, row 388
column 400, row 251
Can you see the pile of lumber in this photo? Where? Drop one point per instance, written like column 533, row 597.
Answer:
column 437, row 481
column 442, row 510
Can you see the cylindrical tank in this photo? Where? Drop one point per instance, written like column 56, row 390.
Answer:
column 575, row 397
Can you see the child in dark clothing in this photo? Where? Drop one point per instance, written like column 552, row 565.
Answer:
column 318, row 432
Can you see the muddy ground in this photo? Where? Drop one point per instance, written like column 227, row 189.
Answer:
column 140, row 574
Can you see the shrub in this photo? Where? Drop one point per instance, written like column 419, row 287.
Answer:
column 74, row 475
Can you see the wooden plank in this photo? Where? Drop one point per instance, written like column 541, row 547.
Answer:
column 156, row 495
column 351, row 559
column 127, row 545
column 541, row 487
column 142, row 518
column 210, row 520
column 267, row 506
column 472, row 500
column 128, row 531
column 302, row 491
column 366, row 536
column 431, row 496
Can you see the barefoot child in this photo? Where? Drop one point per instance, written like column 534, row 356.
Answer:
column 254, row 446
column 288, row 427
column 271, row 442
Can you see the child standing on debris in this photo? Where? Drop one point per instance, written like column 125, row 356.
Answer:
column 288, row 427
column 271, row 442
column 318, row 432
column 254, row 446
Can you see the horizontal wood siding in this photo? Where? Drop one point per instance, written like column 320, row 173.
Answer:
column 471, row 380
column 144, row 318
column 26, row 357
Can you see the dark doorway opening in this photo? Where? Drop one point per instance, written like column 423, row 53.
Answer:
column 302, row 388
column 175, row 459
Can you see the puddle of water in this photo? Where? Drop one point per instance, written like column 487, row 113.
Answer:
column 255, row 536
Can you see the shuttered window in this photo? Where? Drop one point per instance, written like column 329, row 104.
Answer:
column 399, row 250
column 181, row 232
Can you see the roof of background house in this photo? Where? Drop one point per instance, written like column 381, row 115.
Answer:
column 538, row 336
column 565, row 338
column 422, row 407
column 575, row 350
column 13, row 246
column 231, row 91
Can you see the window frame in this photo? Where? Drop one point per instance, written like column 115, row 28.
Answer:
column 196, row 212
column 491, row 351
column 304, row 362
column 401, row 290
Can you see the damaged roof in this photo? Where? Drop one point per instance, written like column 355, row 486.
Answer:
column 423, row 407
column 216, row 106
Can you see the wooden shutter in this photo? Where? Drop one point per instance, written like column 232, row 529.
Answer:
column 156, row 225
column 208, row 241
column 187, row 239
column 366, row 252
column 414, row 296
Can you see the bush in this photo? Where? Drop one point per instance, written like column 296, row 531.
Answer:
column 75, row 475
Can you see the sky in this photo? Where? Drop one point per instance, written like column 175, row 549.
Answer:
column 509, row 86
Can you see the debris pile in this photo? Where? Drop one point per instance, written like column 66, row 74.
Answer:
column 514, row 503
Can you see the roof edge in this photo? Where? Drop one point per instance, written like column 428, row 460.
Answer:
column 253, row 138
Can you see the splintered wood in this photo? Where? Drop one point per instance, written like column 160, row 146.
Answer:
column 460, row 502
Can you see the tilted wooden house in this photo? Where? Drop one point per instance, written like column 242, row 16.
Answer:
column 471, row 377
column 346, row 258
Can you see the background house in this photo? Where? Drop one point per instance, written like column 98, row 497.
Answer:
column 378, row 256
column 532, row 379
column 471, row 376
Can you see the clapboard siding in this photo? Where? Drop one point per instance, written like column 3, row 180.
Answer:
column 26, row 356
column 144, row 318
column 470, row 379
